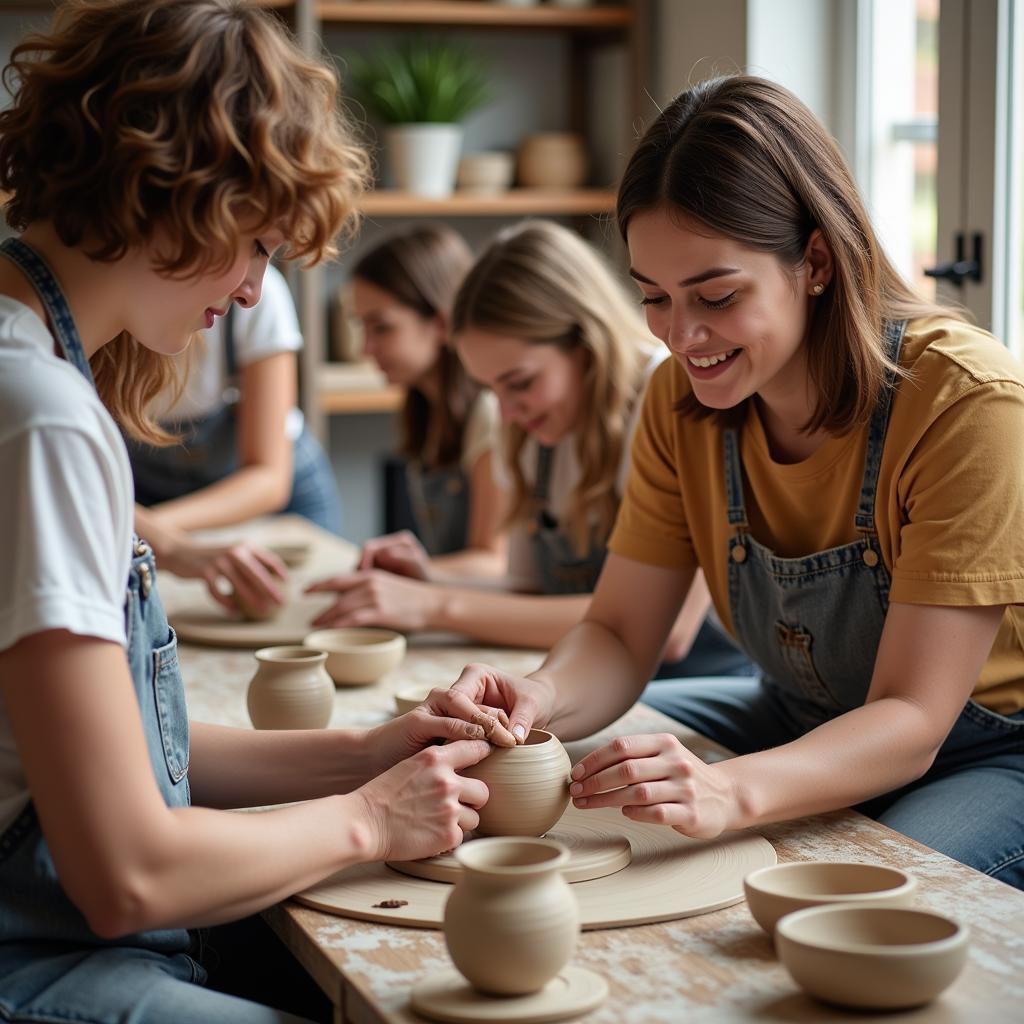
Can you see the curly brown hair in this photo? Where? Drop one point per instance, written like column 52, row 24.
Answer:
column 135, row 120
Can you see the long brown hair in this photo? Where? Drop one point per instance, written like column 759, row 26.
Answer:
column 422, row 268
column 140, row 119
column 746, row 159
column 540, row 282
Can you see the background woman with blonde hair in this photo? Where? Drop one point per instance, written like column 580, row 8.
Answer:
column 842, row 461
column 402, row 292
column 205, row 141
column 541, row 320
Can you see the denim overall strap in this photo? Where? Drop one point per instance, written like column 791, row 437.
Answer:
column 44, row 281
column 560, row 567
column 865, row 518
column 36, row 908
column 812, row 623
column 440, row 506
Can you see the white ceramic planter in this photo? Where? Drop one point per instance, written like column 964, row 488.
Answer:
column 424, row 158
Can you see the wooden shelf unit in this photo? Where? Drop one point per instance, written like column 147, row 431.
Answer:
column 517, row 202
column 472, row 13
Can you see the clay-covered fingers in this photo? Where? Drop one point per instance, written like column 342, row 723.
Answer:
column 453, row 704
column 355, row 606
column 399, row 553
column 526, row 701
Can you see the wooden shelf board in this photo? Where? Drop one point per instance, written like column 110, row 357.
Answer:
column 355, row 387
column 345, row 402
column 472, row 13
column 514, row 203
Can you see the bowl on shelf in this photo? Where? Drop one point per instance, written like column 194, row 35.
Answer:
column 878, row 958
column 487, row 173
column 555, row 160
column 778, row 890
column 356, row 656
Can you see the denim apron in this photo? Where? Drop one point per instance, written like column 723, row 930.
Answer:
column 562, row 570
column 208, row 452
column 34, row 906
column 813, row 624
column 439, row 500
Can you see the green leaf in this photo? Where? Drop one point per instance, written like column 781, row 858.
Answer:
column 419, row 81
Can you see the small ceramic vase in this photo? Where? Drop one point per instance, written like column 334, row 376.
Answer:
column 552, row 160
column 528, row 786
column 511, row 922
column 290, row 690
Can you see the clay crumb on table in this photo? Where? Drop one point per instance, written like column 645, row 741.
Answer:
column 391, row 904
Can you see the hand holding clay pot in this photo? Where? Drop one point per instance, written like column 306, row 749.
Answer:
column 528, row 786
column 511, row 922
column 422, row 807
column 527, row 702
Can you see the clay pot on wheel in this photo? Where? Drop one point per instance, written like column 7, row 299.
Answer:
column 511, row 922
column 528, row 786
column 290, row 690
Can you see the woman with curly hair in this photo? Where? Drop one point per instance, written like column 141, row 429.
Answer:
column 157, row 154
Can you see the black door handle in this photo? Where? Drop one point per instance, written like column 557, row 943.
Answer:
column 960, row 269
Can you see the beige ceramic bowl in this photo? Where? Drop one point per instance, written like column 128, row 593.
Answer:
column 358, row 656
column 411, row 697
column 782, row 888
column 528, row 786
column 292, row 553
column 879, row 958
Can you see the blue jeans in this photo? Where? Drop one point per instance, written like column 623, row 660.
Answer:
column 314, row 491
column 967, row 805
column 119, row 985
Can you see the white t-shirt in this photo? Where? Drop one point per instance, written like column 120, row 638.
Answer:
column 269, row 327
column 565, row 475
column 65, row 509
column 483, row 431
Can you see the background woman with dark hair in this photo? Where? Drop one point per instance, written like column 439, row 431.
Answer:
column 403, row 289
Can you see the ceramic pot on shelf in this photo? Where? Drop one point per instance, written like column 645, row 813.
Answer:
column 290, row 690
column 528, row 786
column 554, row 160
column 511, row 922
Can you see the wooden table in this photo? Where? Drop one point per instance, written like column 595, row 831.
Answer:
column 718, row 967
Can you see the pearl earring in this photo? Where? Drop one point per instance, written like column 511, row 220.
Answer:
column 818, row 289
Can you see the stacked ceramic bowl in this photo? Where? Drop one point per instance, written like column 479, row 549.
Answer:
column 848, row 935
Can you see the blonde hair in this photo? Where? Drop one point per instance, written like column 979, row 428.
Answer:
column 141, row 119
column 422, row 268
column 542, row 283
column 746, row 159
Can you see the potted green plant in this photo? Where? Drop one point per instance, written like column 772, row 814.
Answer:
column 421, row 89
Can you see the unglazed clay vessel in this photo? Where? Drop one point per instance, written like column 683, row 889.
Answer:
column 552, row 160
column 290, row 690
column 511, row 922
column 783, row 888
column 879, row 958
column 528, row 786
column 358, row 656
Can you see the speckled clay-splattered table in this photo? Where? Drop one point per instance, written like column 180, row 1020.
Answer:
column 712, row 969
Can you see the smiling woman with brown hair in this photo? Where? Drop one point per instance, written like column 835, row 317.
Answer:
column 841, row 460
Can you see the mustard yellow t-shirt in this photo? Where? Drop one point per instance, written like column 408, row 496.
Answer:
column 949, row 509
